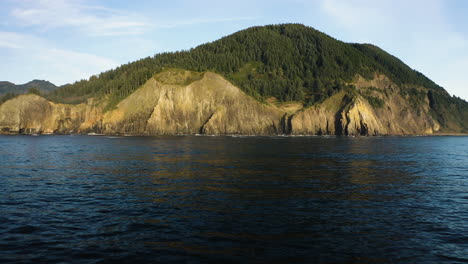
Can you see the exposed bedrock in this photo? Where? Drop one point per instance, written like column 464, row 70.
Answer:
column 212, row 105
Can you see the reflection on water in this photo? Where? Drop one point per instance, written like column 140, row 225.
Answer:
column 253, row 199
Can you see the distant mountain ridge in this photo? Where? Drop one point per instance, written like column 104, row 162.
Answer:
column 41, row 85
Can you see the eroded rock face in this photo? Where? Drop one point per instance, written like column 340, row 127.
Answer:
column 208, row 104
column 211, row 105
column 33, row 114
column 353, row 115
column 360, row 119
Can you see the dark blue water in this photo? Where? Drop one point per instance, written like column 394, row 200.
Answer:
column 82, row 199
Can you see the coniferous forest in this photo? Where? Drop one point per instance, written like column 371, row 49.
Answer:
column 290, row 62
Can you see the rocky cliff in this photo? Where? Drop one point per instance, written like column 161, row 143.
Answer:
column 183, row 102
column 353, row 114
column 210, row 105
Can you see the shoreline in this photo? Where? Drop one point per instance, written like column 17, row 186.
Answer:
column 232, row 135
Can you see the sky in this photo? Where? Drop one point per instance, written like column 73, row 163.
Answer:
column 63, row 41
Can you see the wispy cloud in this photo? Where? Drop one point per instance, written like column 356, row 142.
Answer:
column 48, row 62
column 203, row 21
column 98, row 20
column 77, row 65
column 89, row 19
column 12, row 40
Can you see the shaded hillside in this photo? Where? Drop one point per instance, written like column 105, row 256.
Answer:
column 289, row 62
column 41, row 85
column 9, row 90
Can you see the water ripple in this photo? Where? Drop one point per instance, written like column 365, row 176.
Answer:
column 233, row 199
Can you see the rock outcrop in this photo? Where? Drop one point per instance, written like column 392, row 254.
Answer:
column 33, row 114
column 352, row 114
column 210, row 105
column 183, row 102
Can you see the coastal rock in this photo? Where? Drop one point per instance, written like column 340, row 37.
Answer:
column 210, row 105
column 183, row 102
column 352, row 114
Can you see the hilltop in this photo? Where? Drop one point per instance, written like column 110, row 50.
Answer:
column 292, row 68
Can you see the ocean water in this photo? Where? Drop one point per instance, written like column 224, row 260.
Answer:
column 188, row 199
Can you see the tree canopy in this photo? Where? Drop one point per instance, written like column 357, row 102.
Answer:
column 287, row 61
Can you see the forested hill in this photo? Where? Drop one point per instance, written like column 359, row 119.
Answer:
column 290, row 62
column 8, row 87
column 9, row 90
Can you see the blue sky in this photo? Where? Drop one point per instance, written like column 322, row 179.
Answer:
column 64, row 40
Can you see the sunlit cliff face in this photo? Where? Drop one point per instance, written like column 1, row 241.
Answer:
column 184, row 102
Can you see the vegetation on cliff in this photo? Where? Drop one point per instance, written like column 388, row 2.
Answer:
column 11, row 88
column 290, row 62
column 7, row 97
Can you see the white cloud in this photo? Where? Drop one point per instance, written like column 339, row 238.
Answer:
column 97, row 20
column 203, row 21
column 18, row 41
column 74, row 65
column 43, row 60
column 91, row 20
